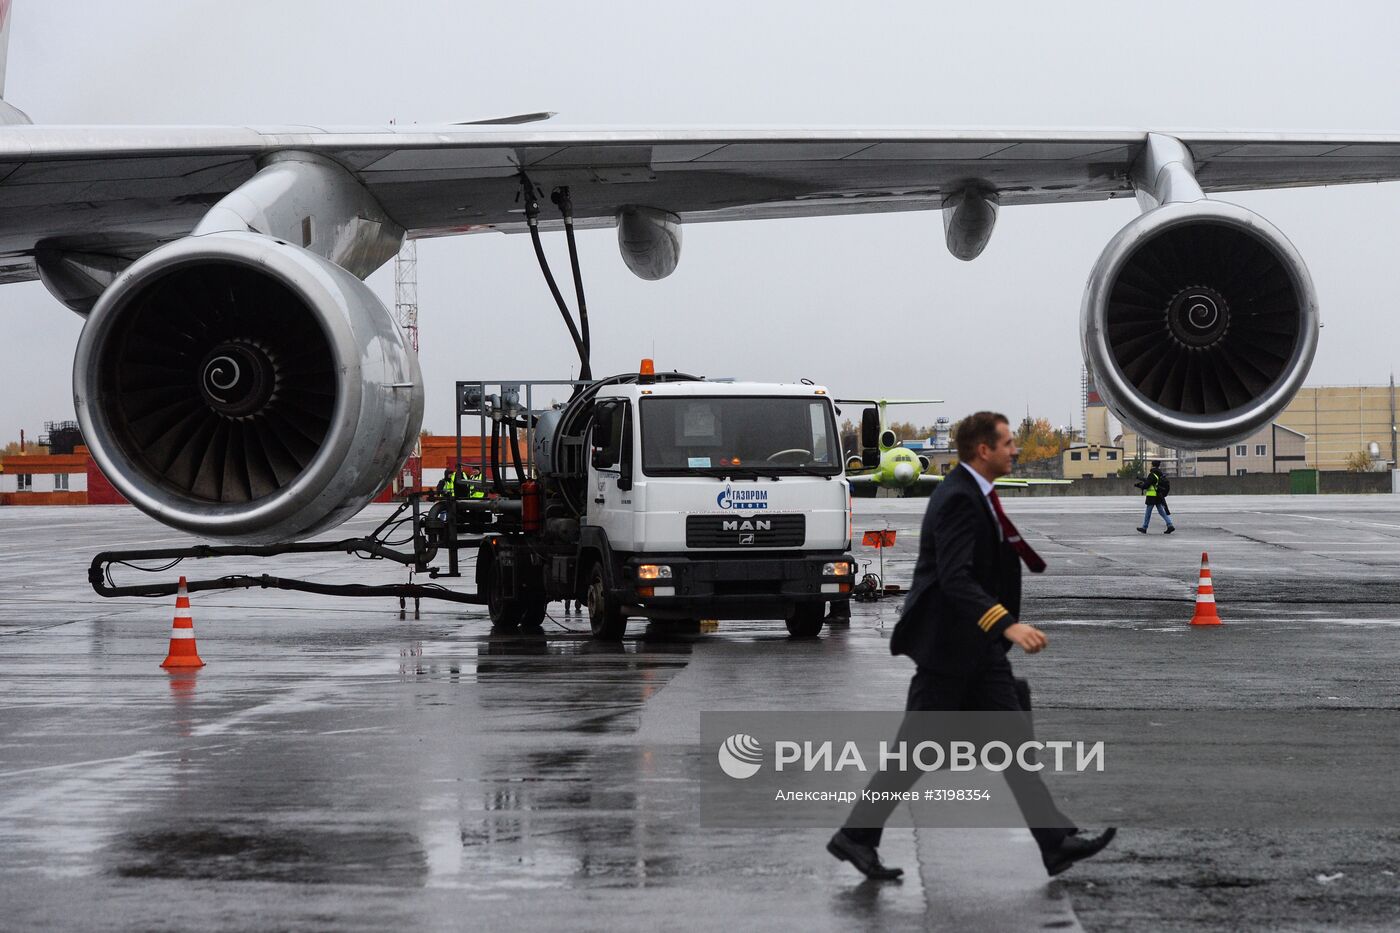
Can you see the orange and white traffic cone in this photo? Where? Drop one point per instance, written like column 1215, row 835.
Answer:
column 183, row 652
column 1205, row 596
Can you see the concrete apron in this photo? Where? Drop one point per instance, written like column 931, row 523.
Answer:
column 989, row 879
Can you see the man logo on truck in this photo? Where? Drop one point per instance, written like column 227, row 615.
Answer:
column 756, row 524
column 750, row 499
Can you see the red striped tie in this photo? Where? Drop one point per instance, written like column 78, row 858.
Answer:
column 1013, row 537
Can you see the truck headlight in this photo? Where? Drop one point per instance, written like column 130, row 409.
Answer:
column 654, row 572
column 840, row 568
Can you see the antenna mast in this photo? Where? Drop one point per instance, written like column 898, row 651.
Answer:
column 406, row 291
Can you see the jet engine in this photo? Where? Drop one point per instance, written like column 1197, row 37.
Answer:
column 1199, row 323
column 243, row 389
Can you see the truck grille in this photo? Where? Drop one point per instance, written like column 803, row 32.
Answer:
column 745, row 531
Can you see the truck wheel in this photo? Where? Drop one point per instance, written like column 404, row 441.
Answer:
column 504, row 611
column 806, row 620
column 605, row 616
column 533, row 609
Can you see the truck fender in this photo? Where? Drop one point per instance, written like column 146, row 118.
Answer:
column 594, row 547
column 485, row 561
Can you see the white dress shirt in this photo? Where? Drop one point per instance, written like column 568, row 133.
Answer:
column 986, row 486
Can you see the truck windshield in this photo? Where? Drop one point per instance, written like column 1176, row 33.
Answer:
column 724, row 435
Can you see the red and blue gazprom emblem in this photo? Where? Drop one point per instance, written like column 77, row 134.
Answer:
column 749, row 500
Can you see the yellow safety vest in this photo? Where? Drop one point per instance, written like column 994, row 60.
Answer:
column 474, row 488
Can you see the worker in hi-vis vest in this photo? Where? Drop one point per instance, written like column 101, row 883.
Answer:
column 1154, row 488
column 446, row 485
column 469, row 485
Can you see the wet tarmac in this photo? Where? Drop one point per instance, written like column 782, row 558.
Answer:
column 336, row 767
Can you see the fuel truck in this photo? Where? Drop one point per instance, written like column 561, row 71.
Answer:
column 664, row 497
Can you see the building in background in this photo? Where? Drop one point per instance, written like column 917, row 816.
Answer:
column 1095, row 414
column 1103, row 454
column 1090, row 461
column 1322, row 428
column 1137, row 447
column 1342, row 421
column 942, row 438
column 61, row 437
column 1274, row 448
column 50, row 479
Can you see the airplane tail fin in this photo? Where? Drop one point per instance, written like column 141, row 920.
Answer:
column 880, row 403
column 9, row 114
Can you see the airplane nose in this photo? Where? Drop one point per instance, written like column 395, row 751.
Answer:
column 904, row 472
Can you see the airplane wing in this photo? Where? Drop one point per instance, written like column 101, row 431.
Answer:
column 123, row 190
column 861, row 479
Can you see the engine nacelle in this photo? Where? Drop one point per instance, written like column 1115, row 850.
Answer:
column 243, row 389
column 1199, row 323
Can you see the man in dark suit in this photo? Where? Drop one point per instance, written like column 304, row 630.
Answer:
column 959, row 620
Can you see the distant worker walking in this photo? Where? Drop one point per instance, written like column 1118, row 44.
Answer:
column 1155, row 487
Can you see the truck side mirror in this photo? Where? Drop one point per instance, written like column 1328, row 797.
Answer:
column 603, row 425
column 870, row 438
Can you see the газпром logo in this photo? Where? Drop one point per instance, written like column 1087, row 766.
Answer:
column 740, row 756
column 745, row 499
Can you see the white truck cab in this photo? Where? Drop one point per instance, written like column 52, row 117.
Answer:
column 675, row 498
column 736, row 489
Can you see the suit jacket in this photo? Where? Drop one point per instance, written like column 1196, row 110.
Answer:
column 967, row 583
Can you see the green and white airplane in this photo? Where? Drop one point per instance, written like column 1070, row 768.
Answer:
column 899, row 467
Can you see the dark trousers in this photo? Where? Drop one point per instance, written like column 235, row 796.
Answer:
column 993, row 688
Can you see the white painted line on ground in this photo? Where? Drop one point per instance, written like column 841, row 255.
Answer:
column 90, row 763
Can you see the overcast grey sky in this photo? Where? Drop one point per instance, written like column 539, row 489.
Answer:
column 866, row 305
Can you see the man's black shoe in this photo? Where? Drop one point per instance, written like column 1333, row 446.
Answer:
column 1074, row 848
column 1142, row 531
column 1170, row 529
column 863, row 857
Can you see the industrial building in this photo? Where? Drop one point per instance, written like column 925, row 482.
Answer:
column 55, row 479
column 1271, row 449
column 1322, row 428
column 1090, row 461
column 1342, row 421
